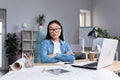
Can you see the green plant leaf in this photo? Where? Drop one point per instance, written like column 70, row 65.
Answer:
column 104, row 34
column 11, row 45
column 41, row 19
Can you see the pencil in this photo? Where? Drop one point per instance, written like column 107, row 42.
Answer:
column 31, row 56
column 43, row 70
column 22, row 54
column 27, row 59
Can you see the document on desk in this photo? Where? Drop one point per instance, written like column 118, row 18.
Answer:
column 57, row 71
column 36, row 73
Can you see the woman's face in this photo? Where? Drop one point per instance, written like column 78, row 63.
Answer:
column 55, row 31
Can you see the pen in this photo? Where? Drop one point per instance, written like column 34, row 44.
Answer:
column 31, row 56
column 26, row 56
column 22, row 54
column 68, row 63
column 27, row 59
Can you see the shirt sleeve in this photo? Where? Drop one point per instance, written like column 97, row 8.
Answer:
column 65, row 57
column 44, row 53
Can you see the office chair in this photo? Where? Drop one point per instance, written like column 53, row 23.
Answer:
column 41, row 36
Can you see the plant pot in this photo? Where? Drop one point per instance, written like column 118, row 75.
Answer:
column 40, row 27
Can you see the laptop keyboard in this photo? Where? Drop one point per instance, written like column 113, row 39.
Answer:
column 91, row 64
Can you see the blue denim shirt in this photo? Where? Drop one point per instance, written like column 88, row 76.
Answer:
column 47, row 47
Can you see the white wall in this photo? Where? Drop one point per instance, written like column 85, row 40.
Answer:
column 66, row 11
column 83, row 32
column 106, row 14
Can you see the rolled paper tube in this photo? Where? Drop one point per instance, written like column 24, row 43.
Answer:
column 18, row 65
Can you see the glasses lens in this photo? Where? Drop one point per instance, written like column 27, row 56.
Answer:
column 56, row 30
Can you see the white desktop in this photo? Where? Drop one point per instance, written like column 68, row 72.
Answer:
column 40, row 73
column 37, row 73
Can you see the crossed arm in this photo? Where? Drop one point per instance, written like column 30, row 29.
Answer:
column 65, row 56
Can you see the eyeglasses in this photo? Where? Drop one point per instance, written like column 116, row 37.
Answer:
column 56, row 30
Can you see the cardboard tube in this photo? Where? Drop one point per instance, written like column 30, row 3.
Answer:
column 18, row 65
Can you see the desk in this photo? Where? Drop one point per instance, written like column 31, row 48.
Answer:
column 115, row 67
column 35, row 73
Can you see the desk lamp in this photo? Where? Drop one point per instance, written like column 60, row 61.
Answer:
column 93, row 33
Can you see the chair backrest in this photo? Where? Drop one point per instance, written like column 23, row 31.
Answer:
column 41, row 36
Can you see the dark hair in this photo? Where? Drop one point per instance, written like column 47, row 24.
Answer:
column 48, row 33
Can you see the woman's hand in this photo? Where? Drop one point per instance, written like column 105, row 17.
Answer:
column 68, row 52
column 52, row 55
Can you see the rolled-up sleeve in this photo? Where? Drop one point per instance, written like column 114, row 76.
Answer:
column 63, row 56
column 44, row 53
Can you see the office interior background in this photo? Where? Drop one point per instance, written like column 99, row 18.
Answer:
column 104, row 13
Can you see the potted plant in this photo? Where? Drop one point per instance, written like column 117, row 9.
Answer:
column 41, row 20
column 117, row 37
column 11, row 46
column 103, row 33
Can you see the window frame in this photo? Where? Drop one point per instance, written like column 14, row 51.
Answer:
column 3, row 56
column 85, row 18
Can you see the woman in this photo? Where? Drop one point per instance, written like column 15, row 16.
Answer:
column 54, row 48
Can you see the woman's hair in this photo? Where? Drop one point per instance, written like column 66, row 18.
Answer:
column 48, row 33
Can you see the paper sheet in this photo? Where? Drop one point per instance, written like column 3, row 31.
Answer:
column 35, row 73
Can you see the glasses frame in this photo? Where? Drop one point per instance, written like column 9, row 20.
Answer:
column 56, row 30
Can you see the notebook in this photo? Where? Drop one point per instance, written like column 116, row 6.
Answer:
column 106, row 57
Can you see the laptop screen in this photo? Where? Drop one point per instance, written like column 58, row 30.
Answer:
column 107, row 53
column 106, row 57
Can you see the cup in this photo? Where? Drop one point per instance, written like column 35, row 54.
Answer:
column 91, row 56
column 29, row 61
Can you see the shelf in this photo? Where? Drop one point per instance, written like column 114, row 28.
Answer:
column 27, row 49
column 28, row 39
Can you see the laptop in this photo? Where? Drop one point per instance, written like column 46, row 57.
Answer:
column 106, row 56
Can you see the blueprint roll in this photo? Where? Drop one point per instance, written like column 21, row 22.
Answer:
column 18, row 65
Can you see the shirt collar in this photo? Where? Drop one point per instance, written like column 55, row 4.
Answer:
column 61, row 42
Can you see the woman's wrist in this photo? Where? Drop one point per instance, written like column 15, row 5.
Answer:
column 52, row 55
column 68, row 52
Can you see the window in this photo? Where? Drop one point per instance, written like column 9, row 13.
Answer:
column 85, row 18
column 3, row 62
column 0, row 44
